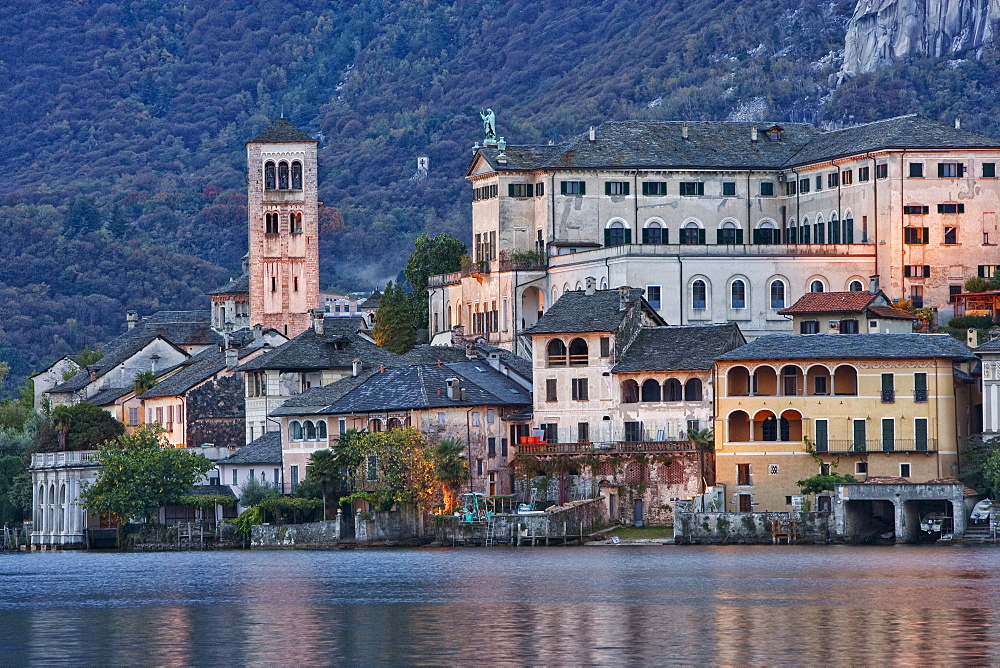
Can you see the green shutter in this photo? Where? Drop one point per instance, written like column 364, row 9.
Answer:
column 718, row 237
column 701, row 235
column 530, row 190
column 645, row 188
column 562, row 187
column 888, row 434
column 583, row 188
column 628, row 237
column 739, row 236
column 859, row 436
column 645, row 235
column 822, row 444
column 701, row 190
column 607, row 237
column 664, row 236
column 920, row 381
column 920, row 434
column 607, row 187
column 927, row 271
column 625, row 187
column 888, row 384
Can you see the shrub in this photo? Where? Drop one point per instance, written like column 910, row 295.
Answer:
column 973, row 321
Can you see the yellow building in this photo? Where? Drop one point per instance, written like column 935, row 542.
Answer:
column 871, row 404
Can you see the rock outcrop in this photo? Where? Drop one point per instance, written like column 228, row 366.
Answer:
column 882, row 32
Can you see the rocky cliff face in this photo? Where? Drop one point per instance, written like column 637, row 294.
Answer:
column 882, row 32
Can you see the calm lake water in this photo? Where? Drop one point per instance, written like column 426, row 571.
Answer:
column 559, row 605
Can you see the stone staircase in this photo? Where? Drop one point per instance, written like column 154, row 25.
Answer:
column 980, row 533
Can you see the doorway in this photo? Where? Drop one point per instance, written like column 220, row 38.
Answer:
column 638, row 512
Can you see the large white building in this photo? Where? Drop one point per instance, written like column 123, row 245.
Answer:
column 724, row 221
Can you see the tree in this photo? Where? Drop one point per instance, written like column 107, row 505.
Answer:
column 389, row 467
column 141, row 472
column 254, row 492
column 322, row 471
column 82, row 217
column 86, row 357
column 82, row 426
column 62, row 419
column 438, row 255
column 394, row 321
column 451, row 469
column 823, row 483
column 143, row 381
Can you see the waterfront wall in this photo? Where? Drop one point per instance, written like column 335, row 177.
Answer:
column 750, row 528
column 312, row 534
column 406, row 525
column 392, row 527
column 571, row 522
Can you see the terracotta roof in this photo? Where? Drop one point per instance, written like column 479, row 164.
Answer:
column 282, row 132
column 891, row 312
column 966, row 491
column 830, row 302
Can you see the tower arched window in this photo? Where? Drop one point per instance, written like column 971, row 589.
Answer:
column 271, row 223
column 296, row 175
column 269, row 175
column 283, row 176
column 295, row 222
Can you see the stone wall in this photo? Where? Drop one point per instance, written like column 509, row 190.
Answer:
column 406, row 525
column 215, row 413
column 558, row 524
column 312, row 534
column 748, row 528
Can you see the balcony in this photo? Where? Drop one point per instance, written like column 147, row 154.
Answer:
column 49, row 460
column 888, row 396
column 848, row 446
column 605, row 448
column 440, row 280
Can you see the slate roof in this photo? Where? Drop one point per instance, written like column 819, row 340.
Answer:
column 680, row 348
column 333, row 349
column 858, row 346
column 522, row 366
column 264, row 449
column 576, row 311
column 661, row 145
column 108, row 396
column 373, row 300
column 416, row 387
column 318, row 398
column 199, row 368
column 990, row 346
column 237, row 286
column 118, row 354
column 428, row 354
column 281, row 132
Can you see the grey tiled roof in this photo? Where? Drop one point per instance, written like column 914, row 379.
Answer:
column 217, row 490
column 428, row 354
column 684, row 348
column 372, row 301
column 576, row 312
column 318, row 398
column 238, row 286
column 280, row 132
column 178, row 316
column 264, row 449
column 108, row 396
column 331, row 350
column 521, row 366
column 990, row 346
column 198, row 369
column 661, row 145
column 859, row 346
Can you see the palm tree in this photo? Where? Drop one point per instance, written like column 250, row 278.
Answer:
column 704, row 440
column 61, row 422
column 451, row 469
column 143, row 381
column 323, row 470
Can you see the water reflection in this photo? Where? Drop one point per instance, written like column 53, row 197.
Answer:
column 553, row 606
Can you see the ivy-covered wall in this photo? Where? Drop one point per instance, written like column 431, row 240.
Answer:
column 216, row 413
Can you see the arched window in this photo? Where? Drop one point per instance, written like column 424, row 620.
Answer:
column 557, row 353
column 738, row 382
column 654, row 234
column 630, row 392
column 296, row 175
column 321, row 430
column 692, row 234
column 791, row 233
column 847, row 234
column 295, row 430
column 692, row 390
column 651, row 390
column 271, row 223
column 672, row 390
column 856, row 286
column 310, row 430
column 283, row 176
column 295, row 222
column 729, row 233
column 777, row 294
column 834, row 230
column 816, row 286
column 616, row 234
column 819, row 231
column 739, row 294
column 393, row 423
column 375, row 425
column 767, row 233
column 805, row 231
column 269, row 175
column 578, row 352
column 699, row 299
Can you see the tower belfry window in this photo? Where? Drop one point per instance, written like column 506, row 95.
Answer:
column 269, row 177
column 283, row 176
column 296, row 175
column 271, row 223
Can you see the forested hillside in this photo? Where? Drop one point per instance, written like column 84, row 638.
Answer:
column 122, row 124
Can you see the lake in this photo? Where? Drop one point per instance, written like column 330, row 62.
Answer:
column 557, row 605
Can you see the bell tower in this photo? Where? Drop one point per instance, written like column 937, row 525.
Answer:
column 283, row 216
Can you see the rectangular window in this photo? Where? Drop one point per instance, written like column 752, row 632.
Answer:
column 236, row 477
column 580, row 388
column 917, row 296
column 904, row 470
column 605, row 346
column 989, row 170
column 133, row 416
column 951, row 170
column 790, row 188
column 917, row 271
column 655, row 235
column 633, row 431
column 294, row 473
column 920, row 434
column 916, row 170
column 691, row 236
column 987, row 270
column 847, row 177
column 882, row 171
column 888, row 434
column 654, row 188
column 916, row 235
column 491, row 446
column 861, row 468
column 860, row 435
column 729, row 189
column 819, row 182
column 950, row 236
column 503, row 447
column 520, row 190
column 766, row 189
column 479, row 467
column 916, row 210
column 572, row 187
column 920, row 387
column 820, row 385
column 540, row 189
column 693, row 425
column 550, row 390
column 616, row 188
column 951, row 208
column 864, row 173
column 833, row 180
column 342, row 423
column 490, row 416
column 743, row 475
column 729, row 235
column 888, row 388
column 952, row 291
column 277, row 476
column 804, row 186
column 692, row 188
column 583, row 432
column 550, row 432
column 475, row 419
column 274, row 284
column 809, row 327
column 822, row 436
column 653, row 295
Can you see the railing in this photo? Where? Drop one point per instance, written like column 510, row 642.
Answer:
column 60, row 459
column 603, row 448
column 709, row 250
column 920, row 395
column 439, row 280
column 876, row 445
column 888, row 396
column 579, row 360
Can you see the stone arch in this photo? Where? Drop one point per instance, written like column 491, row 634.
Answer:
column 630, row 391
column 765, row 381
column 818, row 380
column 738, row 382
column 738, row 427
column 650, row 390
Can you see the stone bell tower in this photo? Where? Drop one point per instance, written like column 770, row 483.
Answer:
column 283, row 216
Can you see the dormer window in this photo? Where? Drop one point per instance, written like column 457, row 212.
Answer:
column 296, row 175
column 269, row 175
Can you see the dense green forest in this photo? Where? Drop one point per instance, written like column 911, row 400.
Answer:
column 122, row 124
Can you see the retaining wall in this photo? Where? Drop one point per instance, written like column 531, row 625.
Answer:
column 749, row 528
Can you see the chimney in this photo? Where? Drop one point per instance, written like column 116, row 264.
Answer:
column 591, row 285
column 470, row 349
column 873, row 284
column 593, row 134
column 623, row 297
column 317, row 320
column 232, row 358
column 381, row 368
column 91, row 374
column 958, row 123
column 258, row 332
column 753, row 133
column 152, row 362
column 972, row 337
column 684, row 131
column 455, row 391
column 458, row 333
column 356, row 367
column 131, row 319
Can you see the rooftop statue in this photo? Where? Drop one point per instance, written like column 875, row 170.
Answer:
column 489, row 126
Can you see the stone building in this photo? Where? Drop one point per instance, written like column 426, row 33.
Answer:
column 869, row 405
column 852, row 312
column 260, row 460
column 58, row 519
column 283, row 216
column 723, row 222
column 989, row 354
